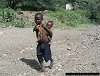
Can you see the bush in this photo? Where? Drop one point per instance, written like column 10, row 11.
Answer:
column 20, row 23
column 90, row 5
column 8, row 14
column 8, row 17
column 71, row 17
column 3, row 3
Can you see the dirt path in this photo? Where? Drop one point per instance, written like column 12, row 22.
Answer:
column 74, row 50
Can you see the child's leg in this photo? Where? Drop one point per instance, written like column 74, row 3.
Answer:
column 42, row 67
column 40, row 58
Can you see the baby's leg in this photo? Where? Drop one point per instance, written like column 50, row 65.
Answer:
column 51, row 63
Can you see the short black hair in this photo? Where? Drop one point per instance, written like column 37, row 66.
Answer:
column 39, row 14
column 50, row 22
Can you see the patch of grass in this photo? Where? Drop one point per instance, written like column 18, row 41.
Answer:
column 62, row 18
column 19, row 23
column 72, row 18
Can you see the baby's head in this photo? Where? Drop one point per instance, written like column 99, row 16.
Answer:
column 49, row 24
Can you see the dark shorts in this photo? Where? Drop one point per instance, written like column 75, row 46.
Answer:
column 43, row 52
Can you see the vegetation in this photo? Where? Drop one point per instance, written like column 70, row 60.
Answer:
column 83, row 12
column 71, row 17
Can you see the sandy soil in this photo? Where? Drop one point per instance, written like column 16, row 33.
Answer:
column 74, row 50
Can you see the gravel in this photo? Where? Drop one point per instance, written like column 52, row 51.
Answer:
column 74, row 50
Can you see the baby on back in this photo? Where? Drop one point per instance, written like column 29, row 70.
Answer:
column 49, row 24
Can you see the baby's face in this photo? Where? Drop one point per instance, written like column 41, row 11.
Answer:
column 49, row 25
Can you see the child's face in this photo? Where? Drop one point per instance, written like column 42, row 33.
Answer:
column 49, row 25
column 38, row 20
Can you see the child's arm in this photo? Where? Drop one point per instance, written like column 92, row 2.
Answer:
column 34, row 29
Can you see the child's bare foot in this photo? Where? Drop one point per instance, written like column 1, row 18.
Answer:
column 51, row 64
column 42, row 67
column 42, row 70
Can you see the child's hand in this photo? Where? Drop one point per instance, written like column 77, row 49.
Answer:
column 38, row 26
column 34, row 29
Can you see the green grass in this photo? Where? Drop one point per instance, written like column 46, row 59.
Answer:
column 62, row 18
column 72, row 18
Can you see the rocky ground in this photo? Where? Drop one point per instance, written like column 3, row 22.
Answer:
column 74, row 50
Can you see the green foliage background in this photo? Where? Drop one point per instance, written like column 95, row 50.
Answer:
column 84, row 11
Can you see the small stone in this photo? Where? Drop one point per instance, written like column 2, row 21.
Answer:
column 54, row 42
column 60, row 65
column 91, row 42
column 93, row 63
column 4, row 54
column 53, row 70
column 56, row 68
column 69, row 48
column 1, row 33
column 83, row 41
column 18, row 59
column 59, row 69
column 10, row 26
column 22, row 51
column 99, row 45
column 59, row 59
column 26, row 48
column 84, row 47
column 97, row 38
column 42, row 75
column 91, row 39
column 63, row 28
column 24, row 73
column 31, row 48
column 69, row 54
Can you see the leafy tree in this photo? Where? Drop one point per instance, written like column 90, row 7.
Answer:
column 90, row 5
column 13, row 3
column 37, row 4
column 3, row 3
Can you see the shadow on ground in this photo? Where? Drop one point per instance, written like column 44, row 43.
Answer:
column 32, row 63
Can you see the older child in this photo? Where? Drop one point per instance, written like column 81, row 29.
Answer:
column 43, row 48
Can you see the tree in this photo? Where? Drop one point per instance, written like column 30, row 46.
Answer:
column 12, row 3
column 90, row 5
column 3, row 3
